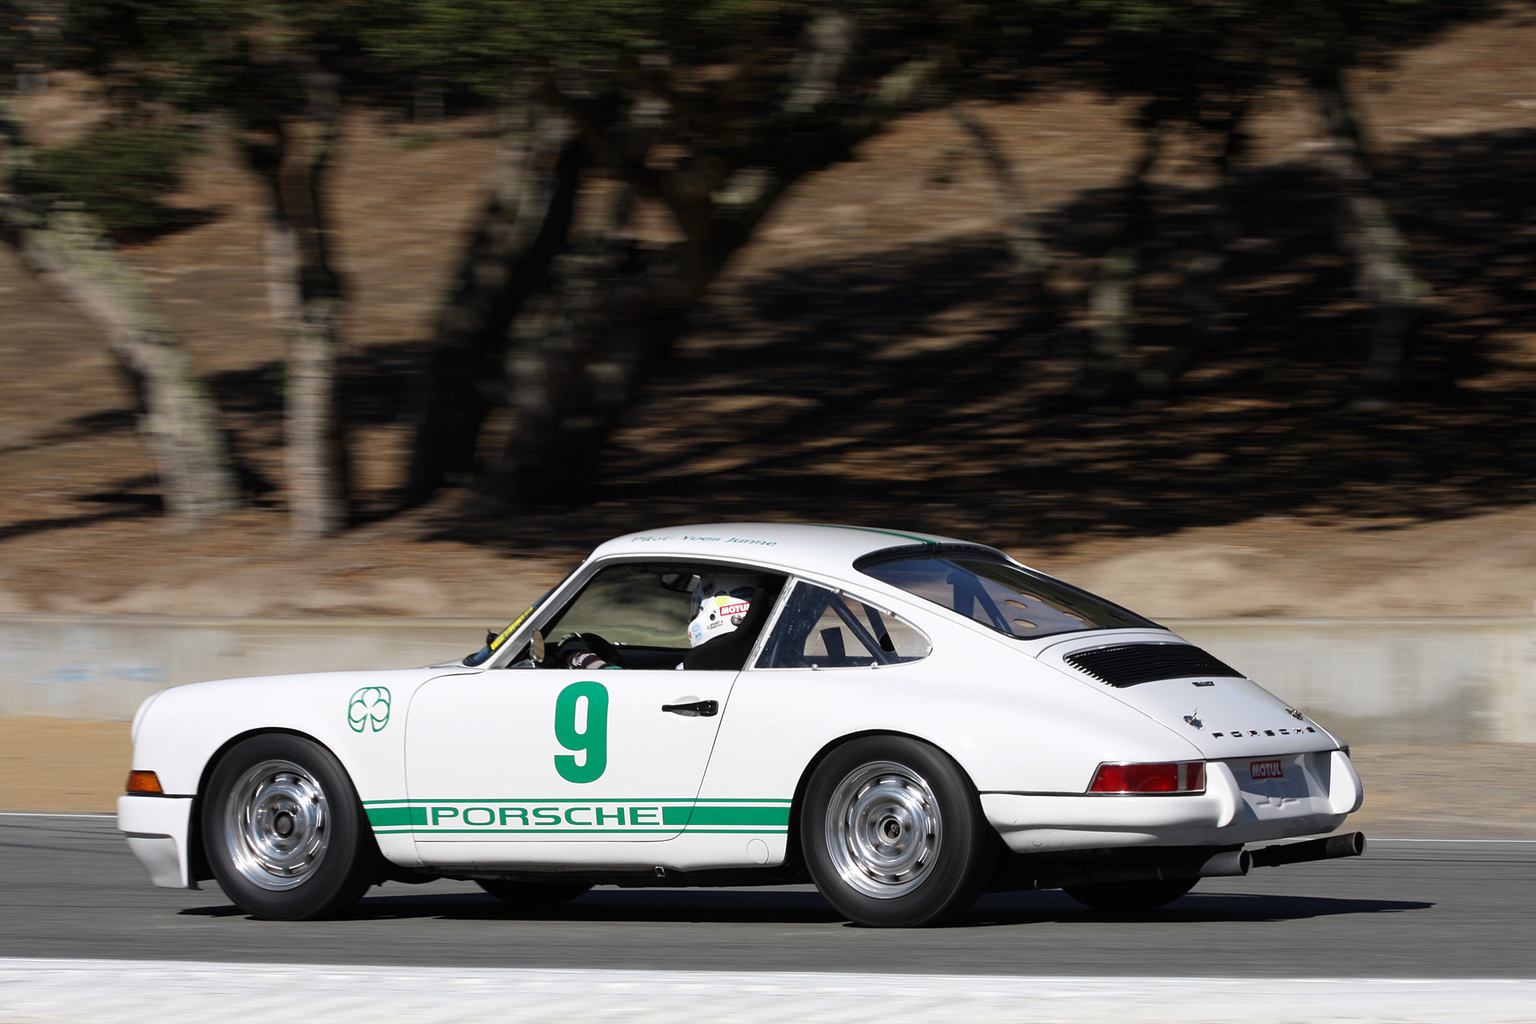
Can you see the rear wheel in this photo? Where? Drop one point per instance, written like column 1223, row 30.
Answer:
column 283, row 830
column 532, row 895
column 893, row 833
column 1124, row 897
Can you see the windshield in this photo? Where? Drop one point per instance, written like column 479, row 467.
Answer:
column 1015, row 601
column 631, row 604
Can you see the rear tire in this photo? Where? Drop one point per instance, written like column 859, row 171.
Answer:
column 532, row 895
column 283, row 830
column 1129, row 897
column 893, row 833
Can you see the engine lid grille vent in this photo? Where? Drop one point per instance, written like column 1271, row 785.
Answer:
column 1131, row 664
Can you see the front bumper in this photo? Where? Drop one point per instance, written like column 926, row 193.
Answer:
column 1313, row 796
column 158, row 831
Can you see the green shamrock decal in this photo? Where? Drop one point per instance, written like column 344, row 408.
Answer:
column 370, row 705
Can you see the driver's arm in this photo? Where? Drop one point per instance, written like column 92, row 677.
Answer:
column 573, row 652
column 584, row 660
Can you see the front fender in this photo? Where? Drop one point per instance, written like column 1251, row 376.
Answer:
column 359, row 716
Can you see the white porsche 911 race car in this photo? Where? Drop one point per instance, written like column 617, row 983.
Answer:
column 903, row 719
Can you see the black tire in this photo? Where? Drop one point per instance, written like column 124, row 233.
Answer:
column 284, row 832
column 893, row 834
column 532, row 895
column 1130, row 897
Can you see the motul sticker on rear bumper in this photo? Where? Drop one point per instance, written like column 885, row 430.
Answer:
column 1270, row 769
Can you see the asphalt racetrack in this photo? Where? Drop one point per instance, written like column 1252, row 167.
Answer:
column 69, row 889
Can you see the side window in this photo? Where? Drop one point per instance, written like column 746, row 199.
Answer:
column 820, row 628
column 666, row 616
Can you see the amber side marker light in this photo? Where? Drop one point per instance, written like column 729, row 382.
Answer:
column 1177, row 777
column 144, row 782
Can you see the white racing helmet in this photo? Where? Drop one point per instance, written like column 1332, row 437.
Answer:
column 719, row 605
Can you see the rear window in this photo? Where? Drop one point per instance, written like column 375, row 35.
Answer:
column 1008, row 598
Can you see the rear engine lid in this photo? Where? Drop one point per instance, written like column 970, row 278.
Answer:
column 1211, row 704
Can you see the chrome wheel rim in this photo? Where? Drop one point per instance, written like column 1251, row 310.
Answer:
column 883, row 830
column 277, row 825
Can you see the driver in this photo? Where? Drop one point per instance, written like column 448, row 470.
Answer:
column 719, row 605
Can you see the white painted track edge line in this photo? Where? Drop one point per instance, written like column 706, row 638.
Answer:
column 170, row 992
column 1399, row 839
column 120, row 963
column 97, row 815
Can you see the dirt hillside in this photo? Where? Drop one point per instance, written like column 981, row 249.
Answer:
column 867, row 359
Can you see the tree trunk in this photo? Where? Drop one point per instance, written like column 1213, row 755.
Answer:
column 1203, row 268
column 1023, row 237
column 306, row 294
column 427, row 101
column 579, row 355
column 178, row 418
column 610, row 317
column 1384, row 274
column 1112, row 298
column 525, row 223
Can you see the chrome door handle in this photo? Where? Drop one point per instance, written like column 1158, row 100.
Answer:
column 694, row 709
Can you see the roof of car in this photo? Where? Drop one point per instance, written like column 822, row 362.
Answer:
column 787, row 544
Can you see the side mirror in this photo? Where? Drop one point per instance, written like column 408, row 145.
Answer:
column 536, row 646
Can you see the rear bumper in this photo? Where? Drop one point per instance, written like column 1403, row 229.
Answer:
column 157, row 829
column 1313, row 797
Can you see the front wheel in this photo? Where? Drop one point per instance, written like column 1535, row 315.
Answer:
column 283, row 830
column 893, row 833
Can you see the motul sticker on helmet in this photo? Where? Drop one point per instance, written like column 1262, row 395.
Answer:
column 719, row 614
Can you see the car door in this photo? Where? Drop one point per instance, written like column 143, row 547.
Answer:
column 833, row 664
column 510, row 759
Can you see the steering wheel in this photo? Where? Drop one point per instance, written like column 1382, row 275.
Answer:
column 590, row 642
column 603, row 649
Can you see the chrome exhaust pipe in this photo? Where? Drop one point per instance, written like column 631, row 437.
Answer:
column 1226, row 865
column 1347, row 844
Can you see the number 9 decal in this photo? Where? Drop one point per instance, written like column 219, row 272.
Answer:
column 593, row 740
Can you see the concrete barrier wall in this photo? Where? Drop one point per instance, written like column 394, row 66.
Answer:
column 1372, row 680
column 101, row 668
column 1436, row 680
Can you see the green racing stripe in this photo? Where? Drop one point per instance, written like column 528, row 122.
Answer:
column 888, row 533
column 565, row 816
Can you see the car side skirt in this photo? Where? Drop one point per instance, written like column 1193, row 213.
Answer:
column 689, row 853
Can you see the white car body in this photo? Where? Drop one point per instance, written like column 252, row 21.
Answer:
column 459, row 767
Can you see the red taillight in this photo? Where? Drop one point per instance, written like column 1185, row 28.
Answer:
column 1175, row 777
